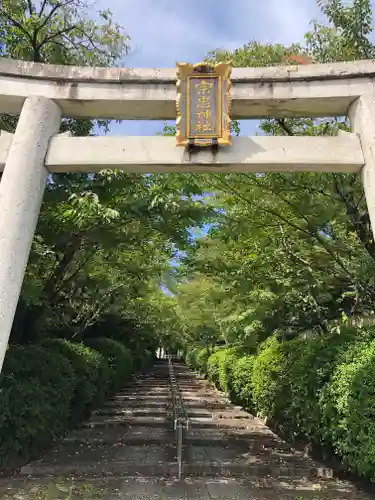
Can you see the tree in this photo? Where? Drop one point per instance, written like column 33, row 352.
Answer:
column 60, row 32
column 104, row 239
column 292, row 251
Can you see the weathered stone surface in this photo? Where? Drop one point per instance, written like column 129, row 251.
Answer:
column 159, row 154
column 141, row 93
column 21, row 194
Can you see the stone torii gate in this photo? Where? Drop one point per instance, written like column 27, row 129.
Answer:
column 42, row 94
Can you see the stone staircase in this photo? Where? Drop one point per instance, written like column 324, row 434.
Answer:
column 127, row 449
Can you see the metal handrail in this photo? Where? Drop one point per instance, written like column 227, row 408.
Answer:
column 178, row 406
column 181, row 420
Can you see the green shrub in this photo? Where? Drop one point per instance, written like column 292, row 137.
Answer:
column 44, row 387
column 242, row 380
column 202, row 356
column 191, row 358
column 349, row 408
column 309, row 366
column 91, row 370
column 267, row 368
column 219, row 366
column 118, row 357
column 37, row 389
column 214, row 364
column 322, row 388
column 197, row 357
column 213, row 367
column 226, row 365
column 288, row 378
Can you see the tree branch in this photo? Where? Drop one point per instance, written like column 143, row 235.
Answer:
column 282, row 124
column 50, row 15
column 16, row 24
column 357, row 221
column 56, row 34
column 31, row 9
column 43, row 6
column 309, row 232
column 67, row 280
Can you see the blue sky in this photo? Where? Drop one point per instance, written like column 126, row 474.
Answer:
column 164, row 32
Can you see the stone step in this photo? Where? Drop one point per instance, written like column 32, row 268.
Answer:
column 234, row 423
column 231, row 469
column 127, row 488
column 165, row 420
column 198, row 414
column 120, row 435
column 143, row 393
column 153, row 412
column 169, row 437
column 212, row 399
column 232, row 414
column 129, row 441
column 204, row 394
column 106, row 458
column 132, row 412
column 136, row 404
column 150, row 382
column 241, row 454
column 128, row 468
column 153, row 378
column 142, row 399
column 148, row 459
column 208, row 405
column 126, row 422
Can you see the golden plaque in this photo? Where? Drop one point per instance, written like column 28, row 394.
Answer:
column 203, row 104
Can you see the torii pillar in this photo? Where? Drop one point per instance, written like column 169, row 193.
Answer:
column 21, row 194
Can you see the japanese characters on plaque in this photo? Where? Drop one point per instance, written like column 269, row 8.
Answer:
column 203, row 104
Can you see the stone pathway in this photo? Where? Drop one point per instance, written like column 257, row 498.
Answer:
column 126, row 450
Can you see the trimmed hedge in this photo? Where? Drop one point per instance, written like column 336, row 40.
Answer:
column 322, row 389
column 213, row 366
column 266, row 374
column 46, row 388
column 118, row 357
column 242, row 389
column 308, row 371
column 35, row 399
column 91, row 370
column 190, row 357
column 197, row 358
column 349, row 409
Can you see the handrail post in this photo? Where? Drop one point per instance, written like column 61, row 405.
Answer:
column 179, row 449
column 180, row 417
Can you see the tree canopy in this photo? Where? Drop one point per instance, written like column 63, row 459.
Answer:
column 104, row 241
column 287, row 252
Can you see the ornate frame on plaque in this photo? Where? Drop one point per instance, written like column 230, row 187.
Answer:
column 208, row 98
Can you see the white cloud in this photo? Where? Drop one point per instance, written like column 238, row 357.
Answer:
column 288, row 20
column 164, row 32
